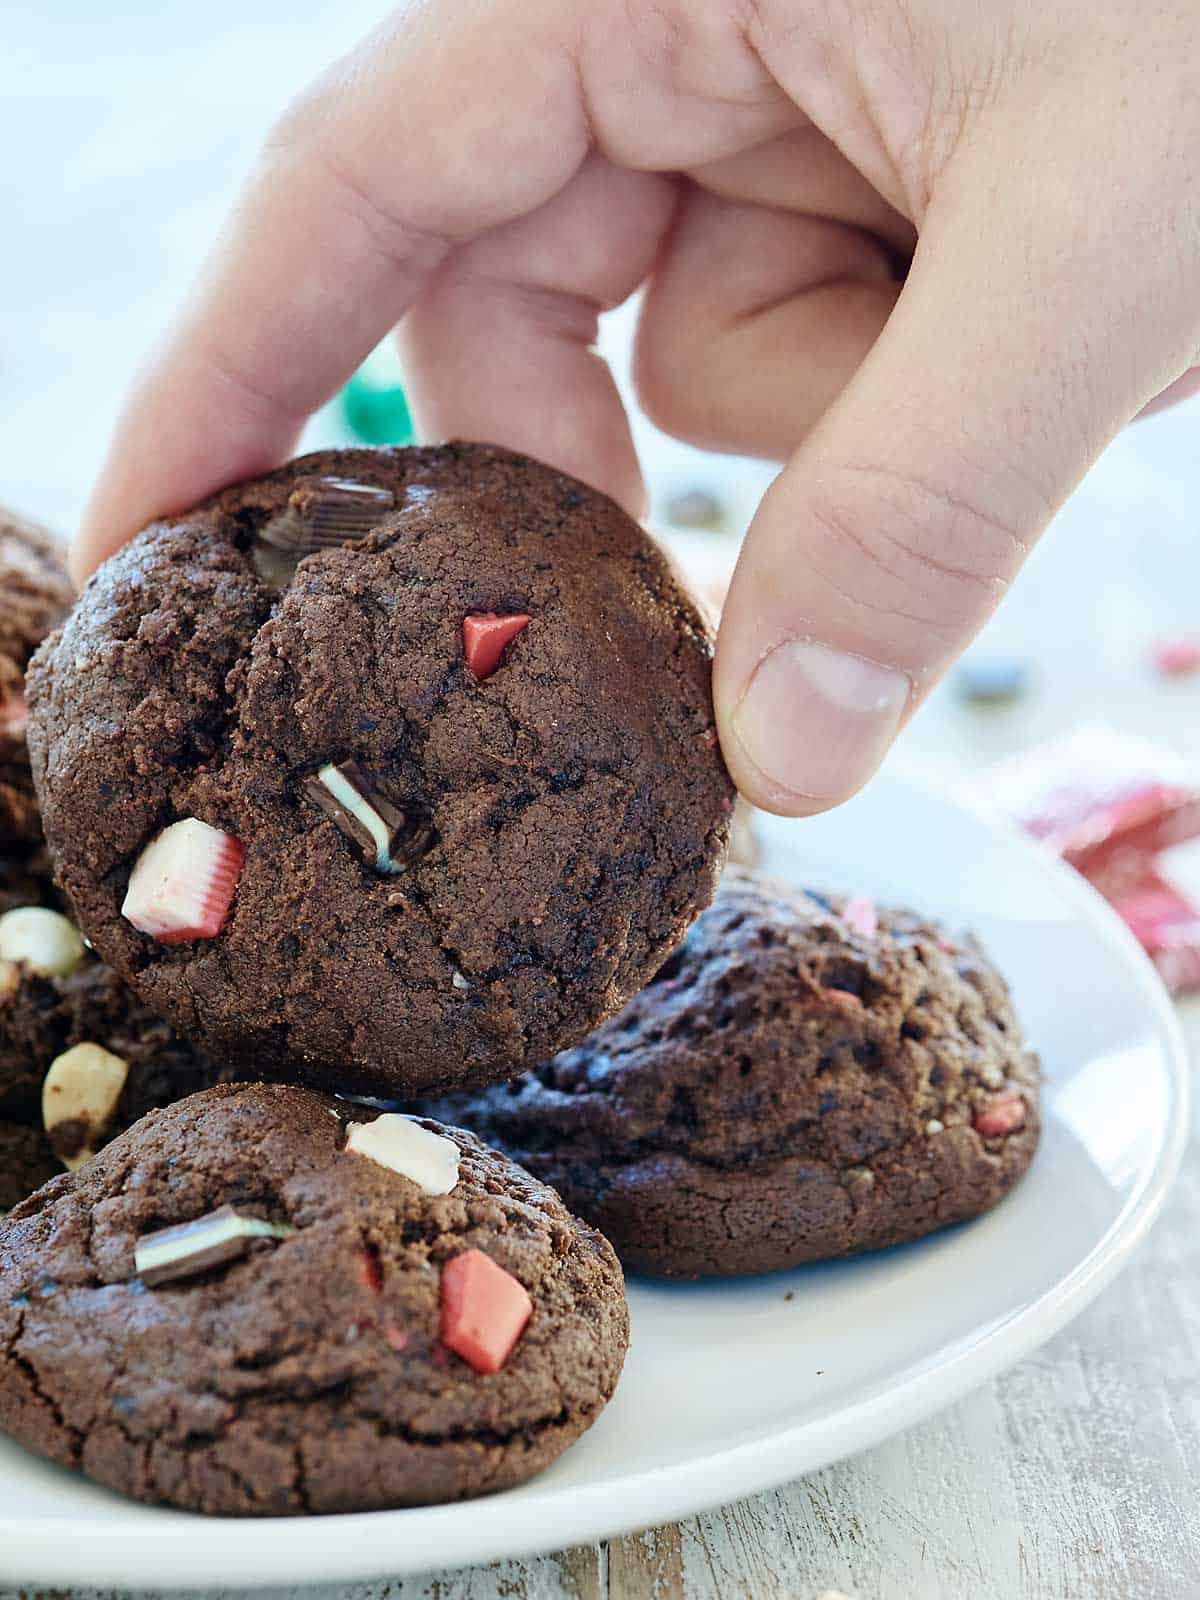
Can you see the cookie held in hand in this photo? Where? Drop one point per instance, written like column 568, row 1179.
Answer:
column 406, row 812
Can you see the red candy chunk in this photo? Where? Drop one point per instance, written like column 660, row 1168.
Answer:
column 1005, row 1115
column 862, row 916
column 485, row 636
column 484, row 1310
column 183, row 883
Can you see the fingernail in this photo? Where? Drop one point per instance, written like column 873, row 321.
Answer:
column 817, row 722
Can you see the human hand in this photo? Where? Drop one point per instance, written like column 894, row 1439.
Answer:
column 496, row 172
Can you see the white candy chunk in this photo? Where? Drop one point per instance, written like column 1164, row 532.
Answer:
column 407, row 1148
column 183, row 882
column 82, row 1086
column 44, row 941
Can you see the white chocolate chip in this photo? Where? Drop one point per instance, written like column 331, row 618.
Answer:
column 44, row 941
column 407, row 1148
column 935, row 1125
column 459, row 981
column 83, row 1086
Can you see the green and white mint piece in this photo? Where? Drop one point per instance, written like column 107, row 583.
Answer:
column 191, row 1247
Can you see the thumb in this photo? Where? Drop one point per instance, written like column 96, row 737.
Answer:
column 1020, row 344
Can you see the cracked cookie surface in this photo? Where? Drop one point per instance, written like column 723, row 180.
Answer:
column 787, row 1089
column 573, row 805
column 309, row 1375
column 35, row 593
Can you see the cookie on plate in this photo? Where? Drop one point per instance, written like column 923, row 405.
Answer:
column 35, row 593
column 81, row 1057
column 806, row 1077
column 262, row 1301
column 415, row 812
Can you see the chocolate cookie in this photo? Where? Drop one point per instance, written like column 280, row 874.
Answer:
column 26, row 1162
column 806, row 1077
column 65, row 1014
column 35, row 593
column 265, row 1302
column 26, row 878
column 413, row 814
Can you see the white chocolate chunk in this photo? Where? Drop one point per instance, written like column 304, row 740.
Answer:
column 44, row 941
column 398, row 1142
column 83, row 1085
column 344, row 792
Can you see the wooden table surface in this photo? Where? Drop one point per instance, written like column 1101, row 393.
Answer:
column 1071, row 1477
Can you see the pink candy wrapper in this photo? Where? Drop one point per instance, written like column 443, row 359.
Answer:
column 1111, row 805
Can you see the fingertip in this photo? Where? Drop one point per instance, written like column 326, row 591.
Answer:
column 89, row 549
column 803, row 724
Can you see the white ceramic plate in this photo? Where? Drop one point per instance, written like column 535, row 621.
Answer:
column 733, row 1387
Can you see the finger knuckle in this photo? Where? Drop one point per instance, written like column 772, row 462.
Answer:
column 670, row 377
column 307, row 139
column 942, row 557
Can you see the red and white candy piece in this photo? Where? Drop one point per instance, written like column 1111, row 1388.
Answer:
column 13, row 717
column 484, row 1310
column 862, row 915
column 1177, row 658
column 485, row 637
column 1005, row 1114
column 183, row 883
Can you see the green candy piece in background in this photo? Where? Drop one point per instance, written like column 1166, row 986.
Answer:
column 373, row 404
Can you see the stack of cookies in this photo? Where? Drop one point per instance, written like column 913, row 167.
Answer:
column 384, row 801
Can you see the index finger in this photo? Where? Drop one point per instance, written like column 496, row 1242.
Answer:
column 402, row 151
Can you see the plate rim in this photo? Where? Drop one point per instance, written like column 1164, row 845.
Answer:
column 359, row 1546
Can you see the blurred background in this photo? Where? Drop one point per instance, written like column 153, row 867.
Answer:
column 128, row 129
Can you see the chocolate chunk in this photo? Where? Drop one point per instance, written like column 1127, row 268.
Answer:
column 191, row 1247
column 324, row 512
column 384, row 835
